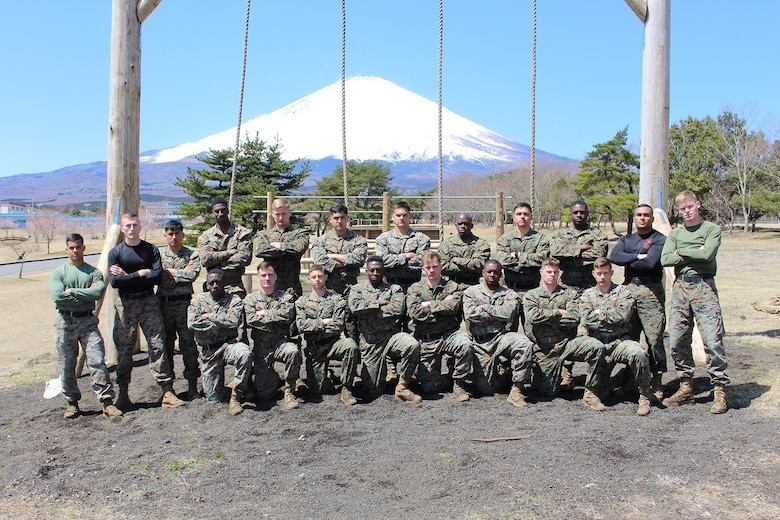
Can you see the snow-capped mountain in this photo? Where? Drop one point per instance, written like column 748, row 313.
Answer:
column 384, row 122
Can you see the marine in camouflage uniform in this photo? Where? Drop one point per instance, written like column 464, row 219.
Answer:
column 214, row 317
column 181, row 267
column 605, row 313
column 378, row 307
column 551, row 319
column 134, row 269
column 490, row 311
column 321, row 317
column 226, row 246
column 640, row 254
column 340, row 251
column 75, row 287
column 434, row 305
column 282, row 247
column 692, row 249
column 464, row 255
column 401, row 249
column 269, row 314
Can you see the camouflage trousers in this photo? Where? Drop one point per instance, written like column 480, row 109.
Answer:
column 650, row 318
column 318, row 355
column 458, row 346
column 69, row 332
column 697, row 301
column 633, row 355
column 506, row 350
column 214, row 358
column 401, row 348
column 130, row 313
column 174, row 315
column 267, row 355
column 549, row 363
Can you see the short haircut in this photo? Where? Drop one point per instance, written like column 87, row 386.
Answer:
column 265, row 265
column 216, row 270
column 551, row 261
column 602, row 262
column 74, row 237
column 174, row 225
column 429, row 255
column 402, row 204
column 523, row 205
column 318, row 267
column 578, row 202
column 644, row 206
column 218, row 200
column 281, row 202
column 126, row 216
column 685, row 195
column 492, row 261
column 339, row 208
column 375, row 258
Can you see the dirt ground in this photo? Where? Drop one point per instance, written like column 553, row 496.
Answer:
column 388, row 459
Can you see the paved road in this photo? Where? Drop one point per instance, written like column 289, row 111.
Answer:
column 41, row 265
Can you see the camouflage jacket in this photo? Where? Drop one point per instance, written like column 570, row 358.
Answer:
column 280, row 313
column 443, row 316
column 213, row 246
column 225, row 316
column 311, row 309
column 487, row 312
column 186, row 262
column 607, row 317
column 392, row 246
column 521, row 256
column 544, row 325
column 286, row 260
column 375, row 321
column 577, row 263
column 354, row 248
column 463, row 261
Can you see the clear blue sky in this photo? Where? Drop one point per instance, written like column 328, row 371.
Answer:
column 54, row 58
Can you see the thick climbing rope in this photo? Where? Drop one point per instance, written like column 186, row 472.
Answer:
column 441, row 153
column 344, row 97
column 240, row 109
column 533, row 111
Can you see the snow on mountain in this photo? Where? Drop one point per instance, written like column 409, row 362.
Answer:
column 384, row 122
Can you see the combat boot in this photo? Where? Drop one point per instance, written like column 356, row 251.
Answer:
column 459, row 393
column 403, row 393
column 592, row 401
column 644, row 401
column 682, row 396
column 346, row 396
column 516, row 397
column 391, row 375
column 719, row 404
column 123, row 401
column 192, row 389
column 290, row 402
column 657, row 388
column 234, row 406
column 72, row 411
column 169, row 399
column 109, row 410
column 567, row 381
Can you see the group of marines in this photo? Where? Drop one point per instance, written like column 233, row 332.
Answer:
column 426, row 321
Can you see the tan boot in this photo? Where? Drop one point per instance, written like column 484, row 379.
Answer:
column 682, row 396
column 290, row 402
column 592, row 401
column 123, row 401
column 657, row 388
column 72, row 411
column 644, row 401
column 719, row 404
column 169, row 399
column 459, row 393
column 192, row 389
column 516, row 397
column 567, row 381
column 403, row 393
column 109, row 410
column 346, row 396
column 234, row 406
column 391, row 375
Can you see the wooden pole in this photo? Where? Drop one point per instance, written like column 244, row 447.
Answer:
column 499, row 214
column 385, row 211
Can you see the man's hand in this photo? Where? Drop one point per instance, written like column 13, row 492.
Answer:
column 564, row 313
column 143, row 273
column 383, row 302
column 425, row 305
column 171, row 271
column 116, row 270
column 276, row 245
column 641, row 256
column 327, row 321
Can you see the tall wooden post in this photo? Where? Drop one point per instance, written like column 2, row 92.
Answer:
column 385, row 211
column 499, row 214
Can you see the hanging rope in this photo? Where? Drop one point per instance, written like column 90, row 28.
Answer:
column 344, row 97
column 441, row 153
column 240, row 110
column 533, row 111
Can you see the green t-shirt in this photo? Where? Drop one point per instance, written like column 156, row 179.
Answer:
column 692, row 250
column 84, row 283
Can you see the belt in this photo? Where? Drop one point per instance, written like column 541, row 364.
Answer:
column 484, row 338
column 641, row 280
column 175, row 298
column 76, row 314
column 136, row 295
column 434, row 336
column 693, row 278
